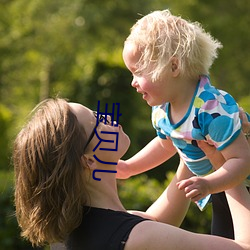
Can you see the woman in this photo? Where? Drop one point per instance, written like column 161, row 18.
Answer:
column 57, row 200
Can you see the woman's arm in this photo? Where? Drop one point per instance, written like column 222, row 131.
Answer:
column 160, row 236
column 236, row 167
column 233, row 172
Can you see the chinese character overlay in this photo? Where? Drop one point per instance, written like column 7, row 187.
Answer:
column 114, row 143
column 112, row 114
column 100, row 170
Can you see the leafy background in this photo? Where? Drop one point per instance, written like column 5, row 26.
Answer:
column 72, row 48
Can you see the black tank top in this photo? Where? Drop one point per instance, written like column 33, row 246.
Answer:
column 102, row 229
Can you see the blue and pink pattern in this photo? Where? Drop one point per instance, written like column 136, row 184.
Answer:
column 213, row 116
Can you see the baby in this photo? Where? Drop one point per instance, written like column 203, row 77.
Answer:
column 170, row 59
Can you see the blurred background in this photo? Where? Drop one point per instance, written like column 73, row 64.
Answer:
column 72, row 49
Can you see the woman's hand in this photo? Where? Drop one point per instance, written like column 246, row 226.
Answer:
column 245, row 124
column 196, row 188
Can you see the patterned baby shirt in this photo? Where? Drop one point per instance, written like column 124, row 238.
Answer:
column 213, row 115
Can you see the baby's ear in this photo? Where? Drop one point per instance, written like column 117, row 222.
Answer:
column 89, row 161
column 175, row 66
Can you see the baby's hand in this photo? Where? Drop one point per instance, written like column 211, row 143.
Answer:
column 122, row 170
column 195, row 187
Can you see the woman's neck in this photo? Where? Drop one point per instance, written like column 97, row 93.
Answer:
column 103, row 193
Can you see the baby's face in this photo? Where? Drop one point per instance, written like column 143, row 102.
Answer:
column 154, row 93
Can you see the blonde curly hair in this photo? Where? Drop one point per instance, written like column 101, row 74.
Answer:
column 160, row 36
column 49, row 190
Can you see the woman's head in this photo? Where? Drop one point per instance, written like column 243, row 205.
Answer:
column 51, row 170
column 109, row 135
column 47, row 157
column 161, row 36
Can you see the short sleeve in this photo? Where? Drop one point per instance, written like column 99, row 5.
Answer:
column 159, row 121
column 162, row 136
column 219, row 120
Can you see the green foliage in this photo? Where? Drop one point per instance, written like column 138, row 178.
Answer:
column 5, row 124
column 73, row 48
column 230, row 71
column 139, row 192
column 245, row 103
column 197, row 221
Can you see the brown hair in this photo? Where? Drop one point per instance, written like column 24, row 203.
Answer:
column 49, row 191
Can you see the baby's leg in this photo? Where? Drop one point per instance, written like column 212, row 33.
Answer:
column 171, row 207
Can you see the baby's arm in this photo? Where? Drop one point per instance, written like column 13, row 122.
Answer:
column 153, row 154
column 234, row 171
